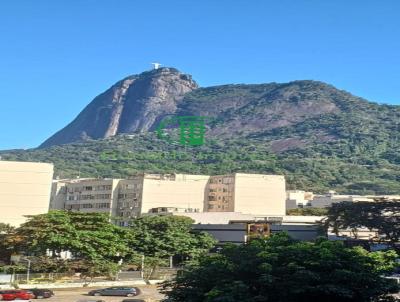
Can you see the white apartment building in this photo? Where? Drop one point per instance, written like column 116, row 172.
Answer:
column 129, row 198
column 24, row 190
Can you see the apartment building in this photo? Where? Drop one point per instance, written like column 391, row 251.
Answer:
column 129, row 198
column 174, row 190
column 91, row 195
column 246, row 193
column 24, row 190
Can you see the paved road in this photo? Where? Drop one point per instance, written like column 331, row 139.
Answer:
column 149, row 292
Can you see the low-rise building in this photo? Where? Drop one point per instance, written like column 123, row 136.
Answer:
column 298, row 199
column 24, row 190
column 326, row 200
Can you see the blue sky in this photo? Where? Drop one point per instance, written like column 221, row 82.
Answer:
column 56, row 56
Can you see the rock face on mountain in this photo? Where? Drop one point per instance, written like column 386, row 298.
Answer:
column 287, row 116
column 134, row 104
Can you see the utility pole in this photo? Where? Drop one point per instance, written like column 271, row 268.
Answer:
column 29, row 269
column 142, row 268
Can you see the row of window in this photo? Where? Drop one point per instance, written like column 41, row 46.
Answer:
column 223, row 198
column 224, row 180
column 100, row 205
column 130, row 186
column 127, row 195
column 127, row 204
column 218, row 190
column 90, row 188
column 212, row 206
column 89, row 196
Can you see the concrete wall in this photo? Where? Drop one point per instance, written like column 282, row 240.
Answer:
column 223, row 233
column 181, row 191
column 260, row 194
column 298, row 198
column 236, row 232
column 323, row 201
column 24, row 190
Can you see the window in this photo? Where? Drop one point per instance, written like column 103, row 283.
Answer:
column 87, row 206
column 225, row 190
column 227, row 180
column 88, row 188
column 103, row 196
column 212, row 198
column 210, row 206
column 103, row 205
column 226, row 199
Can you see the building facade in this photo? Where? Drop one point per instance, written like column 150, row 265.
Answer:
column 129, row 198
column 298, row 199
column 25, row 189
column 246, row 193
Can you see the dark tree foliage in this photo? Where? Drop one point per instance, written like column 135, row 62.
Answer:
column 282, row 270
column 7, row 239
column 382, row 216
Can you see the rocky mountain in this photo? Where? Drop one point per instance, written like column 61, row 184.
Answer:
column 319, row 137
column 288, row 116
column 134, row 104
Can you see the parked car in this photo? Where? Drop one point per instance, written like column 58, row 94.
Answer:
column 115, row 291
column 41, row 293
column 14, row 294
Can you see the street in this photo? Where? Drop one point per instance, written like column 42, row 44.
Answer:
column 149, row 292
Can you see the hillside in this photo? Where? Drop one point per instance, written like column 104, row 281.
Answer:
column 318, row 136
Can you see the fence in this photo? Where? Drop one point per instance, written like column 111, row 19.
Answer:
column 40, row 278
column 59, row 278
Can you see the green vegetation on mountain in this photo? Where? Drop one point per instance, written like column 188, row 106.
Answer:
column 317, row 168
column 319, row 137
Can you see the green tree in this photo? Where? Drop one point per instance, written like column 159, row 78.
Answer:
column 8, row 240
column 280, row 269
column 382, row 216
column 159, row 237
column 88, row 236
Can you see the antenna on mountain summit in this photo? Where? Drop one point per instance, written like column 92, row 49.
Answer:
column 156, row 65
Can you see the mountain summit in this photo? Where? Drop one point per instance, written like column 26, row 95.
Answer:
column 285, row 116
column 134, row 104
